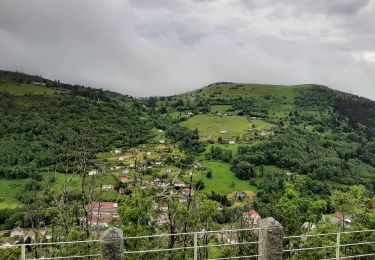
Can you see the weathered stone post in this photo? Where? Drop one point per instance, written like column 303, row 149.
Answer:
column 270, row 240
column 113, row 244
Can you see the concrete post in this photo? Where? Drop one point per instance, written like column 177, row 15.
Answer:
column 270, row 240
column 113, row 244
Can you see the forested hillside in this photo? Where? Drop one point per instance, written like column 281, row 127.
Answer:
column 187, row 162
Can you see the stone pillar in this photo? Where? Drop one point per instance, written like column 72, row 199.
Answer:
column 270, row 240
column 113, row 244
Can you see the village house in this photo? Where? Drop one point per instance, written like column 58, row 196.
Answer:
column 19, row 232
column 240, row 195
column 339, row 218
column 117, row 151
column 162, row 141
column 186, row 192
column 93, row 172
column 160, row 131
column 126, row 179
column 252, row 217
column 158, row 163
column 121, row 158
column 126, row 171
column 118, row 167
column 100, row 220
column 102, row 213
column 308, row 226
column 172, row 192
column 167, row 171
column 110, row 208
column 162, row 219
column 190, row 113
column 178, row 183
column 223, row 131
column 183, row 200
column 231, row 142
column 160, row 183
column 107, row 187
column 148, row 153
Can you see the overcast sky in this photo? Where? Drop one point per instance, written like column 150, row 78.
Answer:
column 162, row 47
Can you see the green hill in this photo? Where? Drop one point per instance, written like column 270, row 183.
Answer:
column 283, row 145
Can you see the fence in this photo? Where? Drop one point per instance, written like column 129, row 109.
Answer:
column 263, row 243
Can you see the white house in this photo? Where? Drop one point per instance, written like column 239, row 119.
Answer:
column 168, row 171
column 93, row 172
column 107, row 187
column 231, row 142
column 162, row 141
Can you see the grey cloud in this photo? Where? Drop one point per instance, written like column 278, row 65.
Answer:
column 163, row 47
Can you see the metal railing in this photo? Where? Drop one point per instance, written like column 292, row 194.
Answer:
column 337, row 246
column 194, row 245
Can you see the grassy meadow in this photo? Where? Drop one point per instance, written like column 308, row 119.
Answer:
column 223, row 180
column 210, row 125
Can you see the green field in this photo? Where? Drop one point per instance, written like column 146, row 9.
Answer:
column 212, row 125
column 220, row 108
column 9, row 189
column 8, row 192
column 22, row 89
column 223, row 180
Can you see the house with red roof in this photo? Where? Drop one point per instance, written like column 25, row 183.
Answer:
column 252, row 217
column 103, row 213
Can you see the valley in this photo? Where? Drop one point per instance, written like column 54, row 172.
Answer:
column 203, row 160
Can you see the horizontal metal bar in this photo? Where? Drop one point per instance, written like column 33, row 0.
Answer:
column 352, row 256
column 358, row 231
column 64, row 257
column 52, row 243
column 234, row 257
column 158, row 250
column 330, row 234
column 159, row 235
column 227, row 230
column 359, row 243
column 310, row 235
column 228, row 244
column 307, row 248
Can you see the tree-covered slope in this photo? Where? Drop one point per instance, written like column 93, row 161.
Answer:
column 45, row 123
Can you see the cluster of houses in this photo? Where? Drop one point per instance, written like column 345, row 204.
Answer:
column 101, row 214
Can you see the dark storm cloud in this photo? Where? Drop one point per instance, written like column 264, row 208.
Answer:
column 159, row 47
